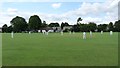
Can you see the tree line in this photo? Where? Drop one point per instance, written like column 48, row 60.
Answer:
column 19, row 24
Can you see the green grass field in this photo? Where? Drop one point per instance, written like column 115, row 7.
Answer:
column 55, row 50
column 0, row 50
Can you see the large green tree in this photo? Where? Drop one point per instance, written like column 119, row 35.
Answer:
column 4, row 28
column 110, row 26
column 10, row 29
column 102, row 27
column 35, row 23
column 44, row 24
column 19, row 24
column 84, row 27
column 79, row 19
column 92, row 26
column 54, row 24
column 77, row 27
column 64, row 24
column 117, row 26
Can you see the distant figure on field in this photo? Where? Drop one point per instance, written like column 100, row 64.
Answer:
column 90, row 34
column 70, row 32
column 101, row 32
column 111, row 32
column 44, row 31
column 61, row 32
column 29, row 32
column 84, row 35
column 73, row 32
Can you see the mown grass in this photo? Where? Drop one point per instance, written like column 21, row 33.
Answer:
column 55, row 50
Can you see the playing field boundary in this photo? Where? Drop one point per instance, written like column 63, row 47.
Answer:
column 60, row 67
column 0, row 50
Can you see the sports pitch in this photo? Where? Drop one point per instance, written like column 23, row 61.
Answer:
column 54, row 49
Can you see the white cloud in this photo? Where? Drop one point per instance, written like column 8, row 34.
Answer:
column 4, row 19
column 53, row 0
column 97, row 12
column 56, row 5
column 114, row 3
column 91, row 19
column 12, row 10
column 90, row 12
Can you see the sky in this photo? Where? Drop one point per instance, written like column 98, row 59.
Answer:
column 97, row 11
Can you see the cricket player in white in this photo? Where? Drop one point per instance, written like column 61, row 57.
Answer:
column 70, row 32
column 61, row 32
column 111, row 32
column 73, row 32
column 29, row 32
column 101, row 32
column 90, row 34
column 46, row 33
column 84, row 35
column 43, row 31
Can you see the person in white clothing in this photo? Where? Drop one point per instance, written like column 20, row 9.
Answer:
column 70, row 32
column 90, row 34
column 84, row 35
column 61, row 32
column 101, row 32
column 111, row 32
column 29, row 32
column 46, row 33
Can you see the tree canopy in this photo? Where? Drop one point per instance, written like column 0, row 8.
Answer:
column 4, row 28
column 102, row 27
column 64, row 24
column 111, row 26
column 34, row 22
column 54, row 24
column 79, row 19
column 92, row 26
column 117, row 26
column 19, row 24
